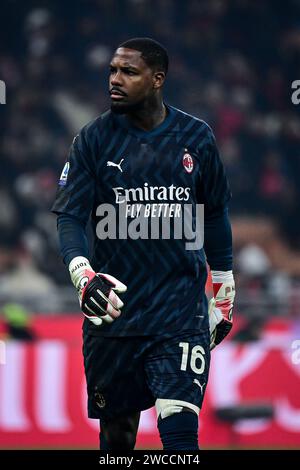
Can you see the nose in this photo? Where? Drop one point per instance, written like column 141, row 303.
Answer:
column 116, row 79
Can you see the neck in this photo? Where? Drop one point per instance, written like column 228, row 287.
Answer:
column 150, row 116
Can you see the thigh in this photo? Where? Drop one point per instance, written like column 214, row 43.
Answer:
column 116, row 381
column 177, row 367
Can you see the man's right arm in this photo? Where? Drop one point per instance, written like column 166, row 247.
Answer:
column 72, row 238
column 74, row 200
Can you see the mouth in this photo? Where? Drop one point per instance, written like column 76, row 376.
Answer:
column 117, row 94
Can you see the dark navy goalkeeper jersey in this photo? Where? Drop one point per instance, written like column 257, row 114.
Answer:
column 114, row 169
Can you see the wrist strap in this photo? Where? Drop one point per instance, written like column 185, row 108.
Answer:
column 222, row 276
column 77, row 268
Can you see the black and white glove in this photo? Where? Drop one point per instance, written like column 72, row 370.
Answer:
column 97, row 292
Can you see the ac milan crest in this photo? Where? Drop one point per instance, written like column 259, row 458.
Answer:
column 188, row 162
column 100, row 400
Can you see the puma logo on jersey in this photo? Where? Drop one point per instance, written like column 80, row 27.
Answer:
column 196, row 381
column 118, row 165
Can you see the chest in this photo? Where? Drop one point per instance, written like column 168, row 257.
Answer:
column 155, row 165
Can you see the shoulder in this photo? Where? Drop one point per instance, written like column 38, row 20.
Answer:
column 198, row 125
column 86, row 143
column 94, row 127
column 198, row 132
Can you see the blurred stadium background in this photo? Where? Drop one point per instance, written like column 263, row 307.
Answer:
column 232, row 64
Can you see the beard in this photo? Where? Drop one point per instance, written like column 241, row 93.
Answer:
column 126, row 108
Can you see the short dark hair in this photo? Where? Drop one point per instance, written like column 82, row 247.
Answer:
column 153, row 53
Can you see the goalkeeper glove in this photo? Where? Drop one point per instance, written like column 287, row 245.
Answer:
column 96, row 291
column 220, row 306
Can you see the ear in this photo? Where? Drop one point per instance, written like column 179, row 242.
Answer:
column 158, row 79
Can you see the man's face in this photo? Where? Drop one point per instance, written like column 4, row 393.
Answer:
column 131, row 81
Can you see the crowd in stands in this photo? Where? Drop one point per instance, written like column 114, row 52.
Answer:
column 232, row 64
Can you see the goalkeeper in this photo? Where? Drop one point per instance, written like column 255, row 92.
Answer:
column 147, row 334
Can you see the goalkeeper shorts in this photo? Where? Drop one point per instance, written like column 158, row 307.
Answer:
column 128, row 374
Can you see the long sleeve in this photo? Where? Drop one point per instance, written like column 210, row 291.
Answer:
column 72, row 238
column 76, row 186
column 218, row 240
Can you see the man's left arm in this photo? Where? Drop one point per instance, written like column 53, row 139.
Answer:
column 218, row 249
column 215, row 194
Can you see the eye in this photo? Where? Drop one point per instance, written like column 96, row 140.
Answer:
column 129, row 72
column 112, row 69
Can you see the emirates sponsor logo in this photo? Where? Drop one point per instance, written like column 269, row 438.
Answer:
column 147, row 193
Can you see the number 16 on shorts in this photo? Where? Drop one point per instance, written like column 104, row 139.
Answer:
column 196, row 357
